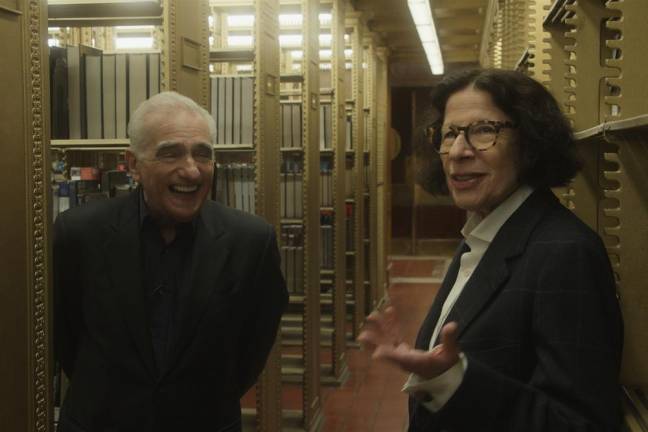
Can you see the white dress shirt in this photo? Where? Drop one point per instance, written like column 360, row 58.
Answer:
column 478, row 233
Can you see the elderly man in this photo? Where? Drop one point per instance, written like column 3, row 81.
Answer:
column 166, row 303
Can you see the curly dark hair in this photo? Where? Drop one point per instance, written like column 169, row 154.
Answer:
column 548, row 154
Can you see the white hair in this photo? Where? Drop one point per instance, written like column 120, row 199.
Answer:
column 169, row 101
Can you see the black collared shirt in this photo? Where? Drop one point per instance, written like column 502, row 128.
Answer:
column 165, row 272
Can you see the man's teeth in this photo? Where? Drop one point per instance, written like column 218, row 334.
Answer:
column 184, row 189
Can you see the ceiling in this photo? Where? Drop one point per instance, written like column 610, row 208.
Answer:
column 459, row 25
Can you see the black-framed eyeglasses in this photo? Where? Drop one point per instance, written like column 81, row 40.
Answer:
column 480, row 135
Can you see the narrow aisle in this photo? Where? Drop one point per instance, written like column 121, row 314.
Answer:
column 371, row 400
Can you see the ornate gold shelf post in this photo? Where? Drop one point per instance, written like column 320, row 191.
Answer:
column 338, row 122
column 25, row 312
column 185, row 55
column 383, row 123
column 311, row 177
column 266, row 140
column 358, row 135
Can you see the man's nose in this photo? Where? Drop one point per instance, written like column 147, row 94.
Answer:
column 189, row 167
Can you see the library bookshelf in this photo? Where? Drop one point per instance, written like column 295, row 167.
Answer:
column 590, row 56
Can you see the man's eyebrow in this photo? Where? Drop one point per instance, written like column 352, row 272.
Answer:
column 166, row 144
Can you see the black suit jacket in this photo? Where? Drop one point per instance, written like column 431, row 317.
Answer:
column 228, row 318
column 540, row 326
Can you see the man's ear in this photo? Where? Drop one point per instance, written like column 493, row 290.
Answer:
column 133, row 165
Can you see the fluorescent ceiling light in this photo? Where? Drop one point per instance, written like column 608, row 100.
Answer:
column 289, row 20
column 211, row 40
column 52, row 42
column 422, row 16
column 325, row 39
column 325, row 66
column 348, row 65
column 325, row 19
column 290, row 40
column 240, row 41
column 297, row 54
column 134, row 42
column 325, row 54
column 348, row 53
column 210, row 20
column 296, row 67
column 240, row 20
column 244, row 68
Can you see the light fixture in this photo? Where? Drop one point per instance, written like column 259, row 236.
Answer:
column 325, row 54
column 290, row 20
column 297, row 54
column 240, row 20
column 133, row 43
column 348, row 53
column 290, row 40
column 325, row 39
column 244, row 68
column 240, row 41
column 422, row 16
column 325, row 19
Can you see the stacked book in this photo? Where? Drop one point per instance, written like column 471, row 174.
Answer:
column 326, row 239
column 325, row 129
column 291, row 125
column 88, row 184
column 94, row 94
column 292, row 201
column 232, row 107
column 292, row 257
column 234, row 186
column 326, row 183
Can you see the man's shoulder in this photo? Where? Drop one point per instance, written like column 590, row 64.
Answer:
column 94, row 213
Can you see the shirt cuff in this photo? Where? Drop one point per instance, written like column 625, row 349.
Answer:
column 435, row 392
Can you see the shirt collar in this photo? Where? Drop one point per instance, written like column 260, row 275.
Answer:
column 144, row 213
column 485, row 229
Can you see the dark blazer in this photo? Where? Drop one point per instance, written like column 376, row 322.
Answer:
column 228, row 318
column 540, row 325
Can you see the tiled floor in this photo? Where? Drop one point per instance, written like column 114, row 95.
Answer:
column 371, row 400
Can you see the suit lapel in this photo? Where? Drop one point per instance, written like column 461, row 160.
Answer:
column 206, row 277
column 493, row 270
column 123, row 257
column 425, row 333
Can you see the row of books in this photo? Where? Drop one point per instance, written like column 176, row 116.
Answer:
column 291, row 183
column 326, row 183
column 350, row 227
column 291, row 126
column 93, row 94
column 88, row 184
column 292, row 257
column 234, row 185
column 326, row 239
column 232, row 106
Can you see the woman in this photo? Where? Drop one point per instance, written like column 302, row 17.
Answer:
column 525, row 333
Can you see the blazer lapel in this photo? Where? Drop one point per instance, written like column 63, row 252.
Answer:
column 209, row 256
column 123, row 257
column 493, row 269
column 425, row 333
